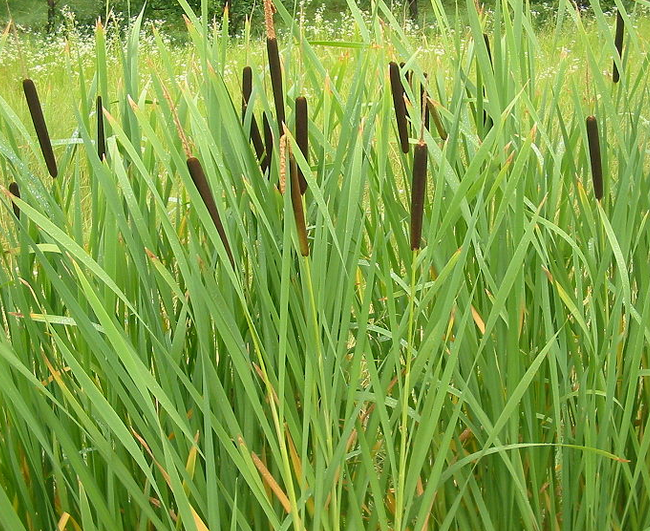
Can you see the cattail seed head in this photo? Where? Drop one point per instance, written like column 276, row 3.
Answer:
column 418, row 193
column 302, row 136
column 268, row 142
column 101, row 133
column 255, row 136
column 298, row 211
column 435, row 115
column 400, row 107
column 15, row 191
column 36, row 111
column 594, row 155
column 275, row 70
column 618, row 43
column 200, row 181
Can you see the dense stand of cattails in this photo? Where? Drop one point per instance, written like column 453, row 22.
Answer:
column 397, row 90
column 594, row 156
column 618, row 43
column 15, row 191
column 198, row 177
column 101, row 133
column 418, row 193
column 36, row 111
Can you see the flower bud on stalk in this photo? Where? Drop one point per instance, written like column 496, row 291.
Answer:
column 34, row 104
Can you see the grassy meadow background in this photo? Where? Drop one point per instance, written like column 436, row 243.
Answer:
column 495, row 378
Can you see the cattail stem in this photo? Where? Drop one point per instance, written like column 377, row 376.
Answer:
column 255, row 136
column 594, row 155
column 298, row 211
column 302, row 136
column 400, row 108
column 276, row 79
column 486, row 39
column 618, row 43
column 198, row 177
column 35, row 109
column 418, row 192
column 15, row 191
column 101, row 133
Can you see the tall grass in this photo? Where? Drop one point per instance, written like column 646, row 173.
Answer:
column 295, row 362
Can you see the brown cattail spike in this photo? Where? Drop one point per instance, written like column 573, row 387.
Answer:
column 198, row 177
column 276, row 79
column 418, row 192
column 436, row 118
column 618, row 42
column 594, row 155
column 424, row 108
column 400, row 107
column 255, row 136
column 268, row 142
column 15, row 191
column 34, row 104
column 298, row 211
column 302, row 136
column 101, row 133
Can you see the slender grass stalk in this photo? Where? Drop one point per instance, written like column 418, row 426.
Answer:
column 618, row 43
column 418, row 193
column 200, row 181
column 397, row 90
column 101, row 133
column 594, row 156
column 298, row 209
column 36, row 111
column 302, row 136
column 255, row 136
column 15, row 191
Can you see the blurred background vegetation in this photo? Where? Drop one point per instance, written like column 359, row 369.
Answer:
column 48, row 15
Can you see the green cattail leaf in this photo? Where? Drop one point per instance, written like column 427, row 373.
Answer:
column 594, row 155
column 418, row 192
column 400, row 107
column 36, row 111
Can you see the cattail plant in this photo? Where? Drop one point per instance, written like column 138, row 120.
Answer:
column 594, row 155
column 247, row 89
column 302, row 136
column 418, row 192
column 400, row 107
column 36, row 111
column 618, row 43
column 198, row 177
column 275, row 68
column 15, row 191
column 298, row 211
column 101, row 133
